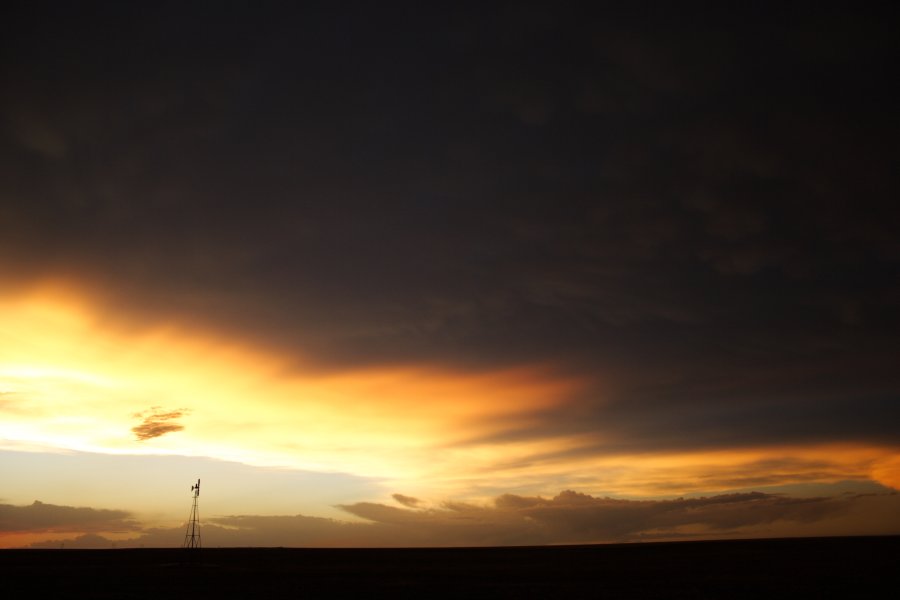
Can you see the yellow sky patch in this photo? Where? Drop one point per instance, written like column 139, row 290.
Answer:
column 73, row 380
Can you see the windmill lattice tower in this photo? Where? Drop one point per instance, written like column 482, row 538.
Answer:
column 192, row 533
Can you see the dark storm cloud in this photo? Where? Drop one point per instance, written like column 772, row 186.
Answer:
column 51, row 517
column 156, row 422
column 696, row 207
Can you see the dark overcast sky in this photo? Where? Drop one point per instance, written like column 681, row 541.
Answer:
column 695, row 206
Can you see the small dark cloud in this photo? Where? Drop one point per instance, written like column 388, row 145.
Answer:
column 156, row 422
column 407, row 500
column 51, row 517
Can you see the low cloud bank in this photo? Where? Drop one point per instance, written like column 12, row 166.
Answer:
column 568, row 518
column 51, row 517
column 572, row 517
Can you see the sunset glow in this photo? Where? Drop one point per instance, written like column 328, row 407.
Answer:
column 520, row 275
column 73, row 383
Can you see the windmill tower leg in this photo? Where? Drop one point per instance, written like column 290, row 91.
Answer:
column 192, row 533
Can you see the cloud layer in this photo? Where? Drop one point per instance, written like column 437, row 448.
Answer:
column 572, row 517
column 567, row 518
column 39, row 517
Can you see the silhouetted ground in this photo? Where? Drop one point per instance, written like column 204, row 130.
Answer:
column 798, row 568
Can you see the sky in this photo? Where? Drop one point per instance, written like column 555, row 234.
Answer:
column 472, row 274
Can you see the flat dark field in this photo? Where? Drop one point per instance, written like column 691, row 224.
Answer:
column 795, row 568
